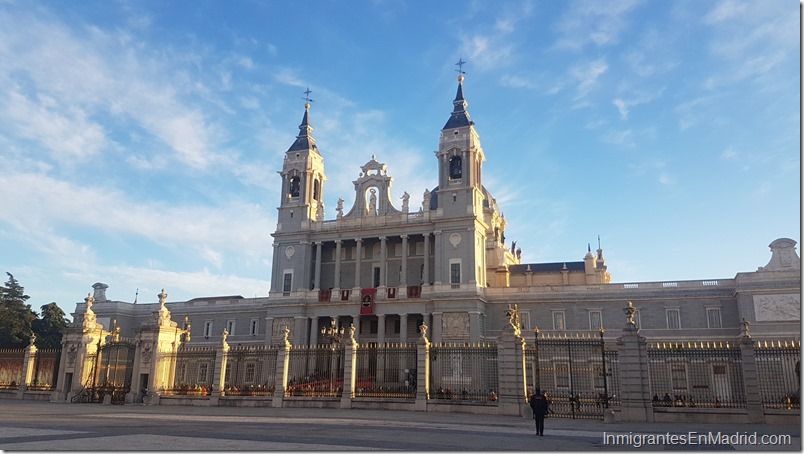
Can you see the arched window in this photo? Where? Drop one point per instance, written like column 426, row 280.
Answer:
column 295, row 186
column 317, row 190
column 455, row 168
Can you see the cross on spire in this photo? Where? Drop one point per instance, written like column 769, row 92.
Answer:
column 460, row 70
column 307, row 97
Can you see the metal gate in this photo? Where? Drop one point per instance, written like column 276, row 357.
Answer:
column 574, row 372
column 112, row 368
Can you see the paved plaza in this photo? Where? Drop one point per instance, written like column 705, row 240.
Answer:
column 42, row 426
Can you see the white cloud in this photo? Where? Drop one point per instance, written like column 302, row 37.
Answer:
column 586, row 75
column 593, row 22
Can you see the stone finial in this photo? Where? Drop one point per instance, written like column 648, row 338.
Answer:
column 285, row 335
column 745, row 326
column 162, row 298
column 352, row 331
column 33, row 339
column 423, row 331
column 224, row 335
column 89, row 300
column 630, row 314
column 100, row 291
column 513, row 318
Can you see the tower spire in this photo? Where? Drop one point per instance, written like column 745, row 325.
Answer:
column 305, row 141
column 459, row 117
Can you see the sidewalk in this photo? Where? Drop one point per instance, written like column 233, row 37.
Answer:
column 30, row 425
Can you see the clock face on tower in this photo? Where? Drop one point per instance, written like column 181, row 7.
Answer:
column 455, row 168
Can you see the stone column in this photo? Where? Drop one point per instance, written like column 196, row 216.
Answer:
column 313, row 331
column 512, row 393
column 753, row 398
column 358, row 258
column 474, row 327
column 28, row 364
column 282, row 366
column 403, row 279
column 635, row 400
column 349, row 368
column 383, row 264
column 317, row 278
column 438, row 248
column 337, row 284
column 380, row 329
column 300, row 331
column 422, row 370
column 403, row 328
column 426, row 277
column 220, row 370
column 436, row 326
column 269, row 331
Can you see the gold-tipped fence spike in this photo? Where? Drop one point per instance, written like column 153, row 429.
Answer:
column 785, row 343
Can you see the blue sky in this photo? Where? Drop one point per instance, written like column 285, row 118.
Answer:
column 141, row 140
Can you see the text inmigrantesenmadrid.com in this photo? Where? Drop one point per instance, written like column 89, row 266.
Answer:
column 695, row 438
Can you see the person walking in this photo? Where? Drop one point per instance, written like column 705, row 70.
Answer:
column 539, row 406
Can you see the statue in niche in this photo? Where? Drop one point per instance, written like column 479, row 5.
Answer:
column 426, row 201
column 373, row 202
column 405, row 198
column 339, row 209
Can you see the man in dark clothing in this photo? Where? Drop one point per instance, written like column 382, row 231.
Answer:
column 539, row 406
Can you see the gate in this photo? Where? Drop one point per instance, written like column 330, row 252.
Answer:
column 573, row 371
column 112, row 368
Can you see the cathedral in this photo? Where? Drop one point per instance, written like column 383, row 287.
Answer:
column 440, row 258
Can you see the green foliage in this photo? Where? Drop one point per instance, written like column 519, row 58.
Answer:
column 16, row 316
column 50, row 327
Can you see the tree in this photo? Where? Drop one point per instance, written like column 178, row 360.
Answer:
column 16, row 316
column 50, row 327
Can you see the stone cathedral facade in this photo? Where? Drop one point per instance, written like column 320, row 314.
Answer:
column 440, row 257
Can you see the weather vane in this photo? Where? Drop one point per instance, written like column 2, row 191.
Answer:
column 460, row 64
column 307, row 96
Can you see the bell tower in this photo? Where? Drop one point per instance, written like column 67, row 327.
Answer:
column 460, row 160
column 302, row 179
column 301, row 206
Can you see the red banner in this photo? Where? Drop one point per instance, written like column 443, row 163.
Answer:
column 367, row 301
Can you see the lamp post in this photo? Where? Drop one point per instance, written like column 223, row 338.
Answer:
column 334, row 335
column 605, row 374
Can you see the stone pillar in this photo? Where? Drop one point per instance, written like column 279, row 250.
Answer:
column 28, row 364
column 313, row 331
column 317, row 277
column 349, row 367
column 422, row 370
column 438, row 248
column 403, row 278
column 426, row 277
column 635, row 400
column 383, row 263
column 300, row 331
column 436, row 326
column 220, row 370
column 282, row 366
column 474, row 327
column 753, row 398
column 403, row 328
column 380, row 329
column 269, row 331
column 337, row 285
column 358, row 258
column 512, row 393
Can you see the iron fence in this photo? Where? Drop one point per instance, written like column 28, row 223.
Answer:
column 575, row 372
column 696, row 374
column 464, row 373
column 46, row 370
column 779, row 370
column 613, row 376
column 192, row 369
column 316, row 371
column 250, row 371
column 387, row 370
column 11, row 362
